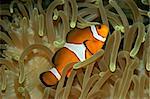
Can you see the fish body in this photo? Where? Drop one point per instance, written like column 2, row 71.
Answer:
column 80, row 45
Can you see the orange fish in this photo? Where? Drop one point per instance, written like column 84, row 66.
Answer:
column 80, row 45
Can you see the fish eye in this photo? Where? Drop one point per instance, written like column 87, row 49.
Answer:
column 99, row 26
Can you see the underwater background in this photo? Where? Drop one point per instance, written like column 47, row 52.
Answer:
column 31, row 31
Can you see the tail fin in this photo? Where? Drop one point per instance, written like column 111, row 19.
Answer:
column 50, row 78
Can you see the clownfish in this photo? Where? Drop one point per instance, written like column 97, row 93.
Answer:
column 80, row 44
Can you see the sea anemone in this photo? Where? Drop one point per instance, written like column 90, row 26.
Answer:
column 31, row 31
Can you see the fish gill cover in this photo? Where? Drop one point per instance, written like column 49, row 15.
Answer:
column 31, row 31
